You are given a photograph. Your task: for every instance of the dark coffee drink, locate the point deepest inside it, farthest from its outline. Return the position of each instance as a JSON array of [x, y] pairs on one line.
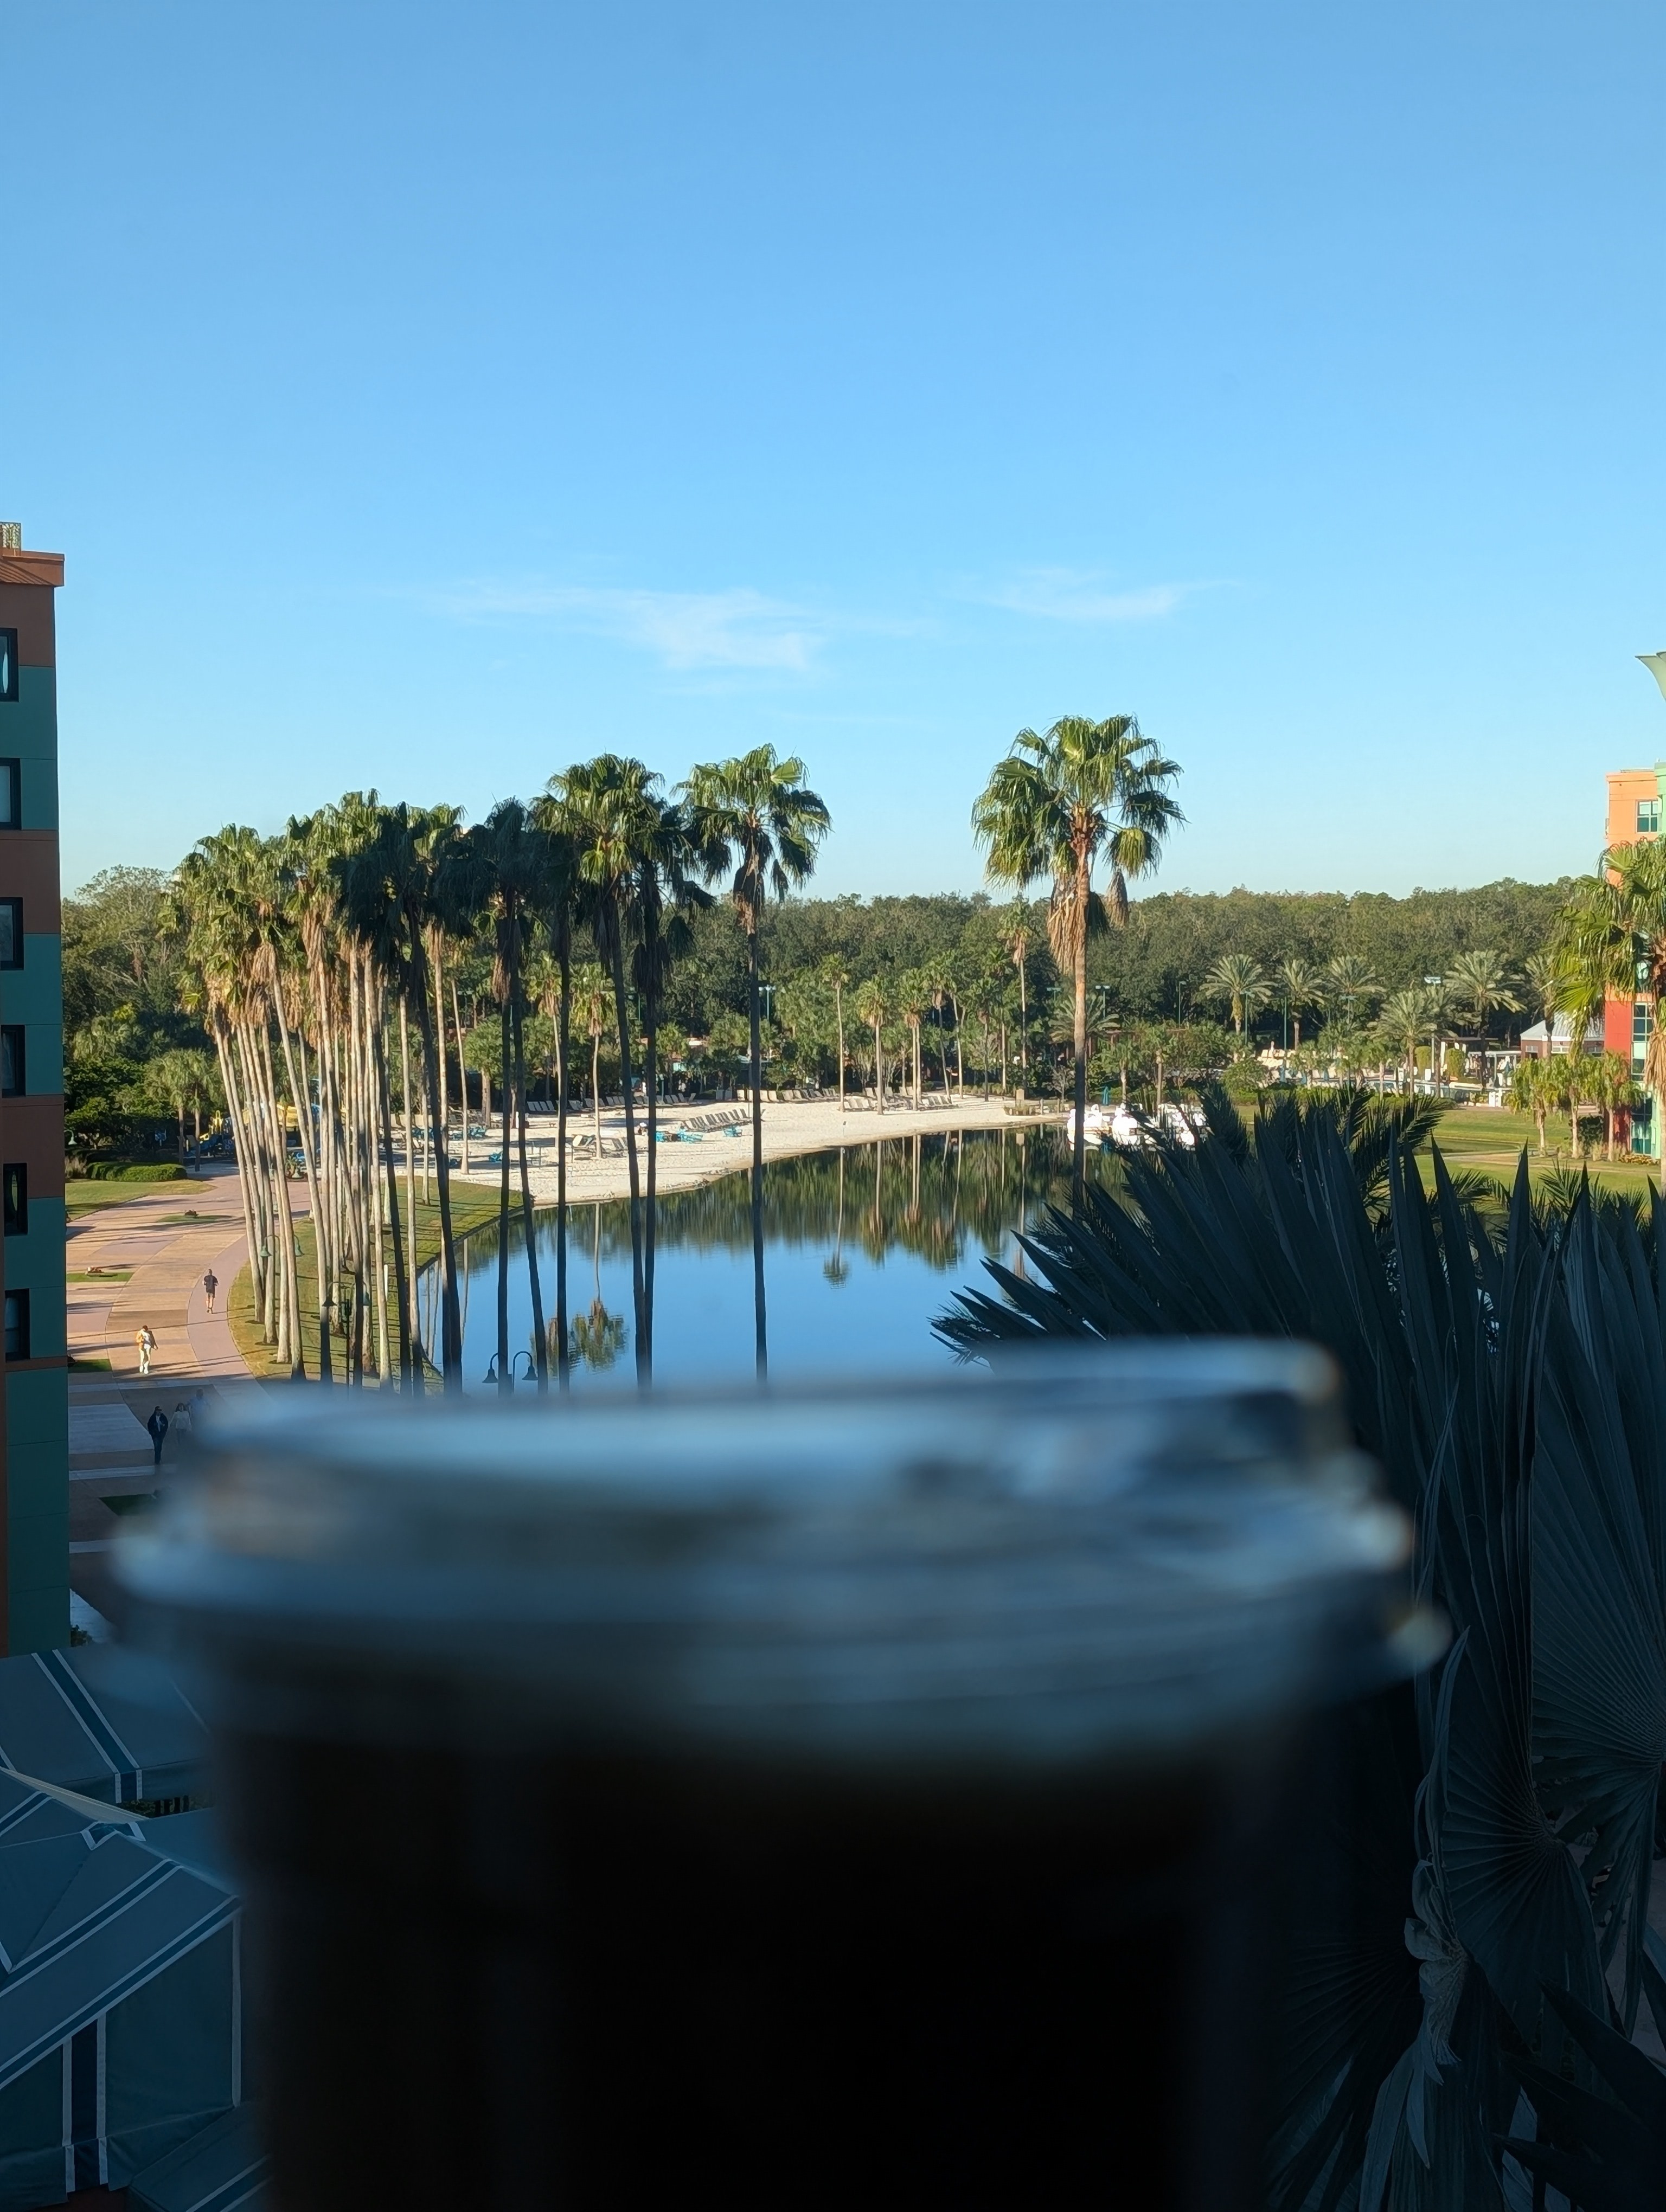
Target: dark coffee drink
[[798, 1801]]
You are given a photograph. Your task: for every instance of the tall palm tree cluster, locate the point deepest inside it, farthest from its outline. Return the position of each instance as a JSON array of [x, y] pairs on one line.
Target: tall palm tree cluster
[[319, 960], [1346, 988]]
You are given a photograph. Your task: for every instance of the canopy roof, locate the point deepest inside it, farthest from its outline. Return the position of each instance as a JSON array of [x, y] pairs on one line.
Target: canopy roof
[[223, 2169], [102, 1721], [85, 1920]]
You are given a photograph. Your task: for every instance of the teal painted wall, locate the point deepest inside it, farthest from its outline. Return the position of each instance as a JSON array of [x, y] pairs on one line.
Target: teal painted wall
[[35, 1263], [33, 993], [43, 1047], [38, 1529], [28, 734], [36, 1400]]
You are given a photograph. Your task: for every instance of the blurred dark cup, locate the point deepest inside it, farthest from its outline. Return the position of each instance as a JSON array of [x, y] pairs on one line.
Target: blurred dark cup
[[858, 1797]]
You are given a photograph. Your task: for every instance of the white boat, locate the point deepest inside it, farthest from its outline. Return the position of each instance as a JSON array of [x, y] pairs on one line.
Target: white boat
[[1110, 1125], [1120, 1126]]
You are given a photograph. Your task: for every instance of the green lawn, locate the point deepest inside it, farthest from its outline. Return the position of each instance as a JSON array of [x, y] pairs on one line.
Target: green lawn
[[81, 1196], [470, 1205], [1492, 1138]]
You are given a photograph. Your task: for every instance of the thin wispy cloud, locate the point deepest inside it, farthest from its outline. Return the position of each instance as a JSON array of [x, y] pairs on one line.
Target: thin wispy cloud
[[739, 629], [1072, 595]]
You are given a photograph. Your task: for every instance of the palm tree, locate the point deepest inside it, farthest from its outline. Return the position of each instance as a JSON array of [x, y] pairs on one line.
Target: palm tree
[[1237, 978], [1533, 1090], [835, 976], [592, 1006], [871, 1009], [406, 880], [667, 896], [1480, 983], [1051, 808], [610, 807], [1347, 982], [182, 1079], [1300, 985], [1613, 1088], [756, 816], [1018, 942], [912, 997], [512, 861], [1545, 987], [1405, 1019]]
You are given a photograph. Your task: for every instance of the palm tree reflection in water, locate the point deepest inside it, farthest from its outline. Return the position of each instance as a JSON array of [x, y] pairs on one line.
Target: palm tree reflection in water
[[934, 1202]]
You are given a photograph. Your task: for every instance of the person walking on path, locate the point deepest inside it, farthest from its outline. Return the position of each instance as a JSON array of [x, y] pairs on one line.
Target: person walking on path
[[210, 1284], [157, 1425], [147, 1344]]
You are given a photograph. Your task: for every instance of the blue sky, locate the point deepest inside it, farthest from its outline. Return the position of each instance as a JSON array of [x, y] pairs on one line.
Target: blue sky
[[425, 397]]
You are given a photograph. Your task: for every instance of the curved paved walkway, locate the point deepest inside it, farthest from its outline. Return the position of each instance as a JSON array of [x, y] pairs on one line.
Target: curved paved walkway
[[164, 1244]]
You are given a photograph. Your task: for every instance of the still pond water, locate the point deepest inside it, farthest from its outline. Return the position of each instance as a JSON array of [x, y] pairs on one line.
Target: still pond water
[[863, 1248]]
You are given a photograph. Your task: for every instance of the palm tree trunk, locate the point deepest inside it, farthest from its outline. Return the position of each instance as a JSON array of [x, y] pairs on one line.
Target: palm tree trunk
[[303, 1118], [462, 1072], [1078, 1037], [563, 1015], [408, 1300], [759, 1320], [401, 1280], [838, 1020], [377, 1136], [240, 1141], [451, 1319], [622, 1011], [505, 1378], [650, 1077], [540, 1346], [289, 1342]]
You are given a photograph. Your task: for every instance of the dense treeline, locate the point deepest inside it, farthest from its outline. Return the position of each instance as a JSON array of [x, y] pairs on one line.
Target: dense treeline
[[1159, 964], [123, 981]]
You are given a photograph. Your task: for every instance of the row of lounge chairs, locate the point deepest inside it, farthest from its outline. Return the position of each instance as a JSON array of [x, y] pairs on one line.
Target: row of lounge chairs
[[899, 1101]]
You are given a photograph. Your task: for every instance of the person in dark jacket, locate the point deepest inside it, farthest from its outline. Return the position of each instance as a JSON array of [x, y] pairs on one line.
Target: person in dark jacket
[[157, 1425]]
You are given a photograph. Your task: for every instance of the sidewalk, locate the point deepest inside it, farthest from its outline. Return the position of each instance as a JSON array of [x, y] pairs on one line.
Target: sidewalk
[[164, 1243]]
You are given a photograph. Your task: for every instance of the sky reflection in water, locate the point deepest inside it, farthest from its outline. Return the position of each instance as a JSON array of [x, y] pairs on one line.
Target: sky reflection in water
[[864, 1247]]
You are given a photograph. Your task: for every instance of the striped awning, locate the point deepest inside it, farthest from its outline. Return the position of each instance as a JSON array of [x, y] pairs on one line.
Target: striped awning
[[102, 1721], [86, 1920], [223, 2169]]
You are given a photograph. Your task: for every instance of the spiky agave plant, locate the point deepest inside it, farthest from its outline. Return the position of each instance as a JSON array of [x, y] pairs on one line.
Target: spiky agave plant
[[1511, 1378]]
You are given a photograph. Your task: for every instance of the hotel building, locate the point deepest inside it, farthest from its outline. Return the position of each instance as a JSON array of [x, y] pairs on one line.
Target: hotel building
[[35, 1509], [1636, 804]]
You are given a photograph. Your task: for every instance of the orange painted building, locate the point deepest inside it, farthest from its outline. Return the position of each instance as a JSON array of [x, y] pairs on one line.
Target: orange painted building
[[1637, 807]]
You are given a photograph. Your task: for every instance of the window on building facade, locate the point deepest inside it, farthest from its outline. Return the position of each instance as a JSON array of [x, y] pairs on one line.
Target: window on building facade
[[14, 1182], [11, 794], [17, 1324], [14, 1074], [1648, 817], [8, 666], [11, 932]]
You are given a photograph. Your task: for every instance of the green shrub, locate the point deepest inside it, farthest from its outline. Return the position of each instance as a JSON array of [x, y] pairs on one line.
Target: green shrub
[[1505, 1361], [144, 1171]]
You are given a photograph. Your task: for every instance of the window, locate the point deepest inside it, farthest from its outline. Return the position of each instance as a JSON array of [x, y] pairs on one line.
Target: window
[[11, 932], [8, 666], [1648, 817], [11, 794], [14, 1182], [17, 1324], [13, 1074]]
